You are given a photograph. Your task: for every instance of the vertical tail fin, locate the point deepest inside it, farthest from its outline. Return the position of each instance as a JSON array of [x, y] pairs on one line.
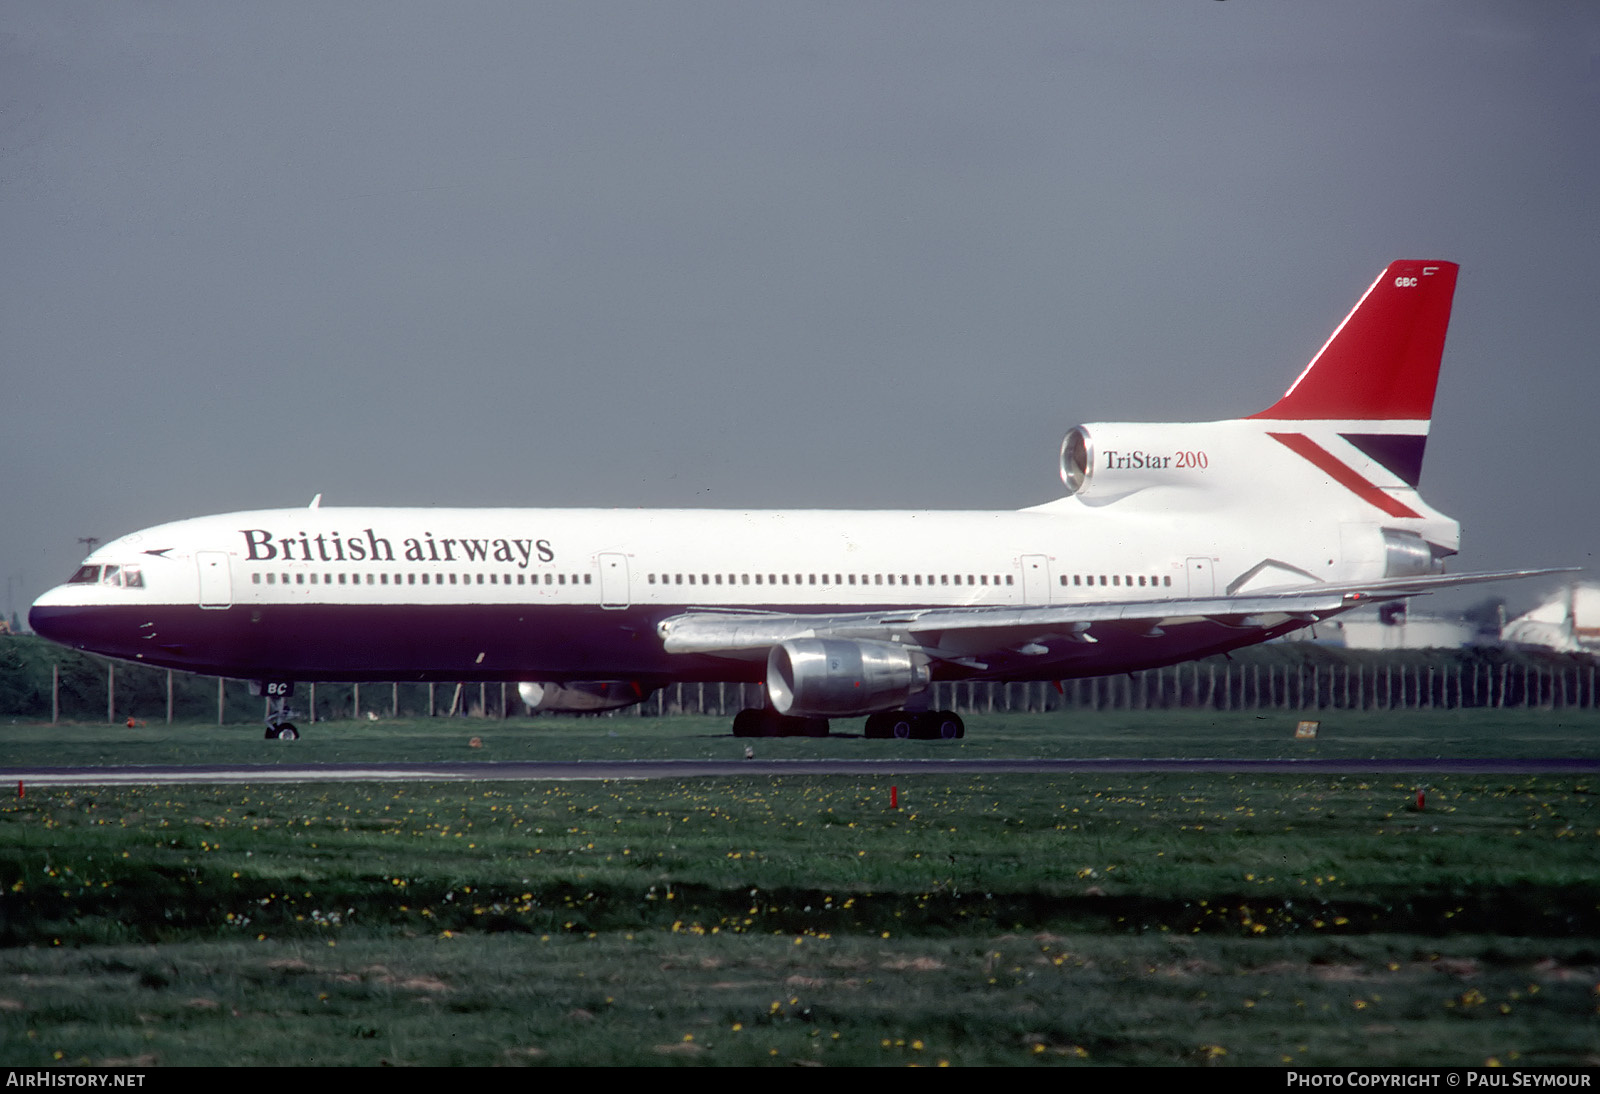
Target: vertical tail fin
[[1376, 377], [1382, 363], [1345, 441]]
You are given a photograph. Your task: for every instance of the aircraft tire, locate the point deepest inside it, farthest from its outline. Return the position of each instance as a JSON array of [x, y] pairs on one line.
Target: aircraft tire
[[287, 732], [877, 726], [902, 726], [769, 723], [748, 723], [796, 725], [949, 726]]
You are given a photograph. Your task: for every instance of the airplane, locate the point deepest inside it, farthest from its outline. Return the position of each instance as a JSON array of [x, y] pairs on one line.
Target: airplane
[[1171, 542]]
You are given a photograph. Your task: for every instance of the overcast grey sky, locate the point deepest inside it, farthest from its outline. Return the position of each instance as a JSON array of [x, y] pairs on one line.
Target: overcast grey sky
[[765, 254]]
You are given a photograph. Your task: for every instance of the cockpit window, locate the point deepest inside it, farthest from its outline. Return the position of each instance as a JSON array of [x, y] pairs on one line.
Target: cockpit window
[[126, 577]]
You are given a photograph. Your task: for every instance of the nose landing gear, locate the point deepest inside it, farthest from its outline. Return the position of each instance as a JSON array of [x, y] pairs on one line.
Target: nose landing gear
[[284, 732], [279, 726]]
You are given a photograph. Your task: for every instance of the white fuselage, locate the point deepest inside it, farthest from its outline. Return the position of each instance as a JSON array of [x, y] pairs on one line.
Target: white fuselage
[[523, 594]]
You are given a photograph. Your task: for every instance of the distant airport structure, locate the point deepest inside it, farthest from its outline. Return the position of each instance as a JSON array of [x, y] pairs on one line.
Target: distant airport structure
[[1405, 630]]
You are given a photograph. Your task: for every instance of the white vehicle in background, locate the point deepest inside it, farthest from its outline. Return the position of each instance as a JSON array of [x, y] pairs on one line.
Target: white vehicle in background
[[1568, 622]]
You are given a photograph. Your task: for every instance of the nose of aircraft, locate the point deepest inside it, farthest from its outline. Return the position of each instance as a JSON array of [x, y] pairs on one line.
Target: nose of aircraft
[[52, 616]]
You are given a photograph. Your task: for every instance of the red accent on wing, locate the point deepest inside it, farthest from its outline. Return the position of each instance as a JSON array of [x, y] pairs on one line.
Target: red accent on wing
[[1382, 363], [1342, 473]]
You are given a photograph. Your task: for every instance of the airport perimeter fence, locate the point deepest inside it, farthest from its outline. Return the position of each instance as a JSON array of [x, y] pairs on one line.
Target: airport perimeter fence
[[1223, 685], [39, 681]]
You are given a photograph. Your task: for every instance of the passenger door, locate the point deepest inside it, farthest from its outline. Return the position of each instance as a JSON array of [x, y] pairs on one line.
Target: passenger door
[[216, 579], [614, 591]]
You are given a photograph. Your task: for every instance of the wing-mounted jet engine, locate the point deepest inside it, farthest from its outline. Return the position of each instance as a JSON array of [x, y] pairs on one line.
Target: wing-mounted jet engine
[[581, 696]]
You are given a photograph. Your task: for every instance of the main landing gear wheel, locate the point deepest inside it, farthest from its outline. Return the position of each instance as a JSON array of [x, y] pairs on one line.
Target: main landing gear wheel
[[941, 725], [284, 732], [890, 723], [932, 725], [753, 722]]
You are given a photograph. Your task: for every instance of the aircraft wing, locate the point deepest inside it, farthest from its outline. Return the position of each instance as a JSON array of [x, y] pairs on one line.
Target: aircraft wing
[[963, 634]]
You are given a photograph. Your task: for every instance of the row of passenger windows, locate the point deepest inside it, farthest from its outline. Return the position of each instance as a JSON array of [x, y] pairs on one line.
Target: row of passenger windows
[[1117, 579], [412, 579], [822, 579], [132, 576]]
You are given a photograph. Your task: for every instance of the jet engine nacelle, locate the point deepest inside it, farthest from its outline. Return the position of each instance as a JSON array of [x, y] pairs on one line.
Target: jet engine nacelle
[[837, 677], [1110, 460], [1406, 554], [581, 696]]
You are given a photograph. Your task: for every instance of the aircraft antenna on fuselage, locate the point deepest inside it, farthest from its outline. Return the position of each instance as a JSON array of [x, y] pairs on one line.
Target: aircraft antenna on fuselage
[[316, 502]]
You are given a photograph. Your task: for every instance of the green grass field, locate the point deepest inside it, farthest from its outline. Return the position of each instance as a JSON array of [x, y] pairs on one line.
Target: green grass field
[[1175, 733], [1166, 919]]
